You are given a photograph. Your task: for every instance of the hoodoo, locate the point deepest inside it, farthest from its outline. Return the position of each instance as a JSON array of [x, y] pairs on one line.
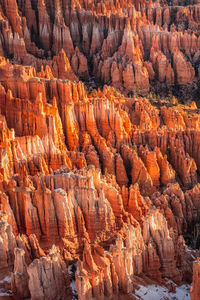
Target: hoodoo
[[99, 150]]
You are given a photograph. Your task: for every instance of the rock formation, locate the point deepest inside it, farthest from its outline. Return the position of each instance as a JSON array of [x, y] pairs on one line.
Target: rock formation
[[99, 178], [195, 288], [155, 42]]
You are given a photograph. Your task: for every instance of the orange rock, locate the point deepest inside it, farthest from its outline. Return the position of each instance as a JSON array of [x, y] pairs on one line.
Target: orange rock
[[195, 288], [110, 178], [121, 175], [7, 243], [165, 251], [184, 70], [49, 271], [19, 283], [62, 68], [136, 204]]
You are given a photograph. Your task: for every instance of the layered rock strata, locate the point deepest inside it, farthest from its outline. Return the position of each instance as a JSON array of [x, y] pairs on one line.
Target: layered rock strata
[[98, 187]]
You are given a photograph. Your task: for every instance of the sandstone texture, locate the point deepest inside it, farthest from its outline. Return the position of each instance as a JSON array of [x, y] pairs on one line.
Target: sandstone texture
[[99, 178]]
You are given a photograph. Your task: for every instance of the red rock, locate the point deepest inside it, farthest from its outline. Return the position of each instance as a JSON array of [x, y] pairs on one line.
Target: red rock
[[165, 250], [136, 204], [116, 75], [19, 283], [167, 174], [7, 243], [111, 179], [45, 27], [62, 68], [128, 78], [121, 175], [184, 70], [195, 288], [50, 271]]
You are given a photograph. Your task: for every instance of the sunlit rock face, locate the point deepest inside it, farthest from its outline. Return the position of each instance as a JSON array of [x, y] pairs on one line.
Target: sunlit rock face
[[99, 179], [129, 45]]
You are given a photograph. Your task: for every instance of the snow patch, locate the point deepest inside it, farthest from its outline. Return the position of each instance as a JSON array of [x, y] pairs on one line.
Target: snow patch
[[6, 279], [3, 294], [156, 292]]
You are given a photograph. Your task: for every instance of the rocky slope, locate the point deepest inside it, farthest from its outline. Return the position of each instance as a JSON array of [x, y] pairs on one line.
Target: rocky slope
[[98, 187]]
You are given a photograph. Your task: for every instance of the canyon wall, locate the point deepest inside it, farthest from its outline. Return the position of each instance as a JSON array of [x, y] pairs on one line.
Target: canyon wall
[[99, 182]]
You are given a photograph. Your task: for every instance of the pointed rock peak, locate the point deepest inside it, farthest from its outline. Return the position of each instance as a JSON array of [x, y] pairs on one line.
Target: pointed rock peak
[[9, 94], [54, 103]]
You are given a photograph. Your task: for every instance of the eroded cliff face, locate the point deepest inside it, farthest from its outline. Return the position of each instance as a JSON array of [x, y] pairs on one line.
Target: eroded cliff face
[[105, 180], [97, 189], [129, 45]]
